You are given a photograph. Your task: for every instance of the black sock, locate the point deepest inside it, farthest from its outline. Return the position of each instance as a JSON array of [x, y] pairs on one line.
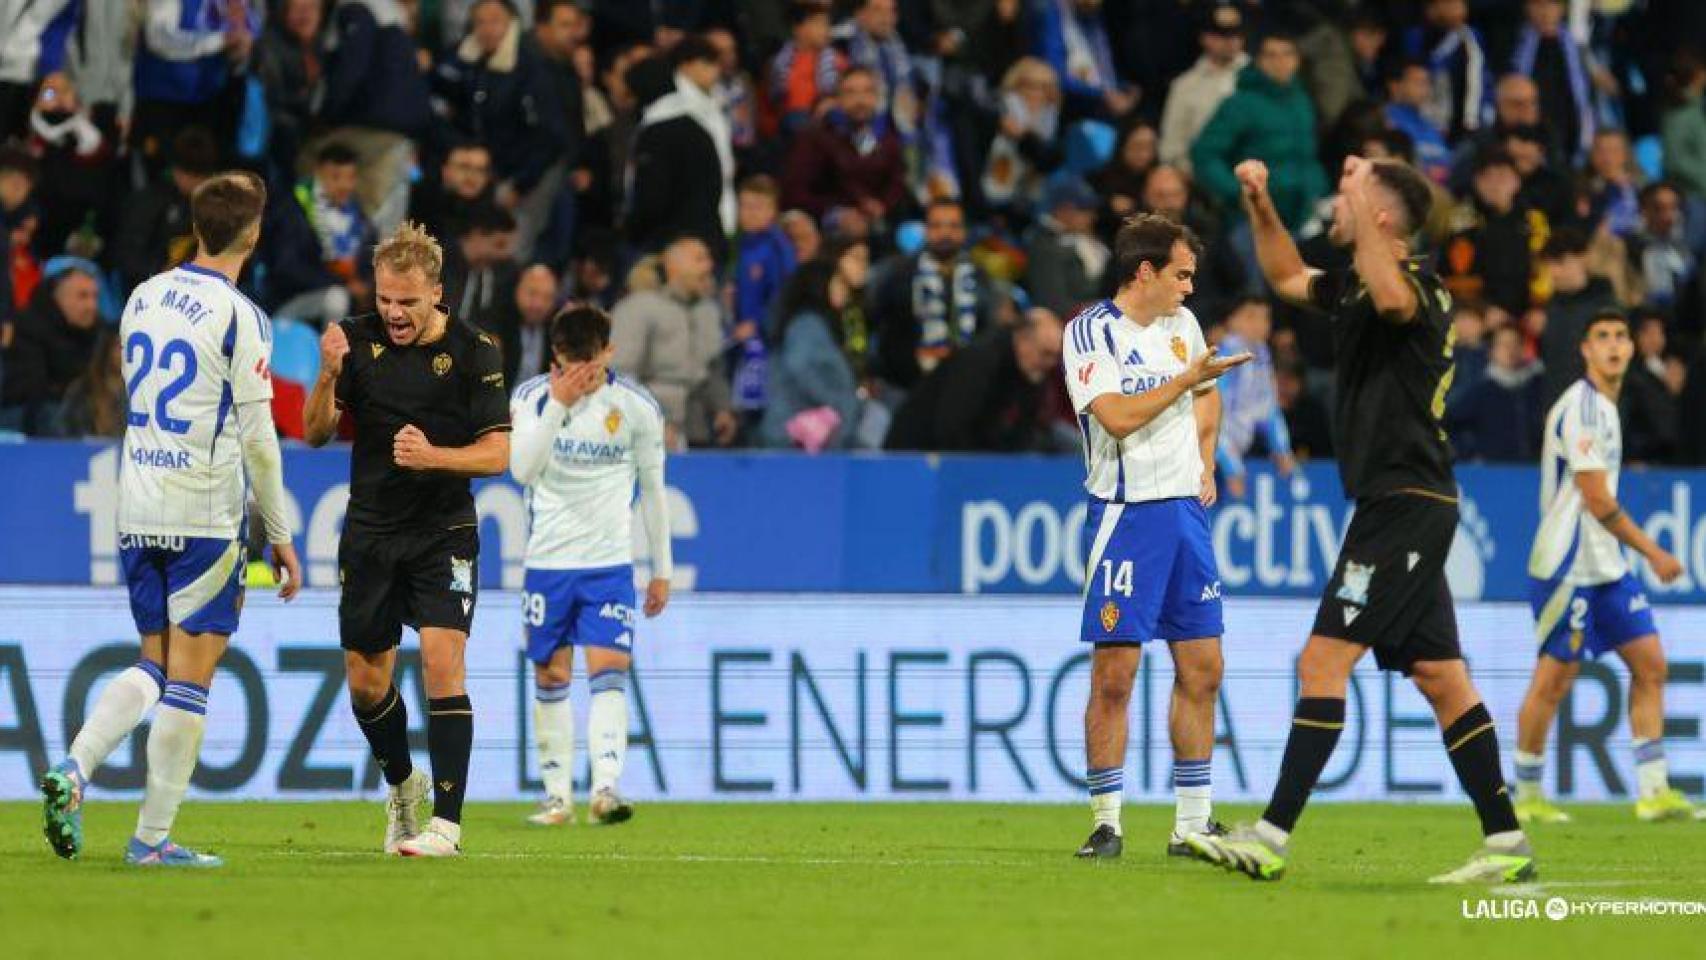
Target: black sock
[[1473, 746], [450, 739], [1315, 729], [386, 727]]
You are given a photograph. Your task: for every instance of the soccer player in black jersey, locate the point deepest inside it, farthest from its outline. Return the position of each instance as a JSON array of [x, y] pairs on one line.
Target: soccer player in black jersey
[[426, 392], [1393, 339]]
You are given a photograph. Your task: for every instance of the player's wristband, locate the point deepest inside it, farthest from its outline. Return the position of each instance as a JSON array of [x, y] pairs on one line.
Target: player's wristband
[[1610, 518]]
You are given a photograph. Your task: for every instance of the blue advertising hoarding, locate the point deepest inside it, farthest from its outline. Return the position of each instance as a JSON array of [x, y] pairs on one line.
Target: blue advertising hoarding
[[869, 524]]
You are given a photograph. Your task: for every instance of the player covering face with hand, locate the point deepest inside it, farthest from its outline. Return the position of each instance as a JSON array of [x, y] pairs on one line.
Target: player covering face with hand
[[1586, 600], [585, 438]]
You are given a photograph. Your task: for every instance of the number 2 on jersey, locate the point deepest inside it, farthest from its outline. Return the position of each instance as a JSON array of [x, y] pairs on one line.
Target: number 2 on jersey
[[140, 350], [1116, 579]]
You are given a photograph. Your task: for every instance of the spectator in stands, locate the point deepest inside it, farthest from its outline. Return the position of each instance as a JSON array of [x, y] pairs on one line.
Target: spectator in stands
[[871, 39], [346, 238], [849, 157], [1251, 422], [480, 269], [29, 27], [1576, 299], [1220, 274], [1660, 247], [1458, 71], [671, 340], [1562, 70], [501, 92], [987, 397], [1500, 418], [443, 204], [1614, 192], [763, 260], [1306, 416], [1684, 124], [1516, 103], [1199, 91], [523, 326], [154, 228], [1546, 189], [100, 58], [188, 53], [549, 210], [807, 68], [814, 393], [683, 159], [76, 163], [931, 304], [1487, 258], [1469, 352], [1648, 404], [294, 279], [289, 63], [734, 91], [1268, 118], [376, 100], [95, 403], [1409, 94], [1120, 182], [1071, 36], [803, 234], [1066, 259], [52, 346], [1026, 148]]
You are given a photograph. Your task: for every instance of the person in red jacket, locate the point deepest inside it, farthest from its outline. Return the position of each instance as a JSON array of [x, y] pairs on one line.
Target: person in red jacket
[[849, 158]]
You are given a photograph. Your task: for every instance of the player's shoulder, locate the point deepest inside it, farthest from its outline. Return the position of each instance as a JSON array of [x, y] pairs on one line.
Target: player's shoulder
[[364, 326], [635, 395], [531, 392], [1084, 328]]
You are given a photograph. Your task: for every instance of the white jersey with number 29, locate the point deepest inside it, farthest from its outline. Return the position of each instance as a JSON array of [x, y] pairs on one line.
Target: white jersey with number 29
[[194, 348]]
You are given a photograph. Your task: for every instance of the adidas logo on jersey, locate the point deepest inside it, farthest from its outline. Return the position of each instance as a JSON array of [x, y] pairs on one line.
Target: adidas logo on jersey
[[1639, 602], [1134, 358]]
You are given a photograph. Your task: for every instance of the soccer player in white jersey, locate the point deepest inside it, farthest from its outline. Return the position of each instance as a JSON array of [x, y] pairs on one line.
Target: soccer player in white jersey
[[1142, 383], [199, 436], [1586, 601], [584, 439]]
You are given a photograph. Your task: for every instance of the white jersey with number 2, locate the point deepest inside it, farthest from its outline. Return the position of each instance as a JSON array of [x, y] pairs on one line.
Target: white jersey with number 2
[[1582, 434]]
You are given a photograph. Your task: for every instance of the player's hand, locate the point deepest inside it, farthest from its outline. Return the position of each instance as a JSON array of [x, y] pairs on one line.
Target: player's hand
[[657, 597], [334, 346], [1210, 493], [1236, 486], [1358, 172], [1285, 463], [286, 570], [1665, 566], [1210, 365], [572, 383], [411, 449], [1252, 177]]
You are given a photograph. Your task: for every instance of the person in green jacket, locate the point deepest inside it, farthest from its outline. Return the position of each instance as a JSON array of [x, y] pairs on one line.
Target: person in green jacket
[[1270, 118], [1683, 128]]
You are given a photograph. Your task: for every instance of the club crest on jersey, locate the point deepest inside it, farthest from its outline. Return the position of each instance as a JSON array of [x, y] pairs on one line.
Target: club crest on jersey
[[1110, 616], [441, 364], [613, 422], [1179, 349], [461, 575], [1354, 587]]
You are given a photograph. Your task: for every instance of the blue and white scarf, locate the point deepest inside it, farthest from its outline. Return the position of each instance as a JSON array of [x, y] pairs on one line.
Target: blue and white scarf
[[1522, 61], [939, 329]]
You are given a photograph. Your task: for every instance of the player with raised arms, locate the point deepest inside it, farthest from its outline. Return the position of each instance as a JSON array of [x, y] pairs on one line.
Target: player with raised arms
[[585, 439], [198, 436]]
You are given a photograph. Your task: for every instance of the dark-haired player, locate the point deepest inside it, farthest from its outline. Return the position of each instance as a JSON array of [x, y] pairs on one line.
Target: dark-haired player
[[1586, 601], [1141, 381], [585, 438], [1393, 335]]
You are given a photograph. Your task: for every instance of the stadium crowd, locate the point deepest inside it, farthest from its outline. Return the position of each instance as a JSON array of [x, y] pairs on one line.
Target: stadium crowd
[[863, 224]]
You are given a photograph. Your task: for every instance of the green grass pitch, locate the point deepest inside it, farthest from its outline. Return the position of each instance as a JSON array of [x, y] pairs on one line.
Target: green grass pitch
[[816, 880]]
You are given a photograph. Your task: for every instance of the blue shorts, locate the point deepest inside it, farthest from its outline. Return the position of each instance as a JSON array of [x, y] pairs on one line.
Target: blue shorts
[[578, 608], [1151, 573], [1576, 622], [194, 582]]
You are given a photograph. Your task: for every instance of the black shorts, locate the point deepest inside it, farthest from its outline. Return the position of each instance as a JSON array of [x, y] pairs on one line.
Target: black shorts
[[1389, 589], [422, 578]]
